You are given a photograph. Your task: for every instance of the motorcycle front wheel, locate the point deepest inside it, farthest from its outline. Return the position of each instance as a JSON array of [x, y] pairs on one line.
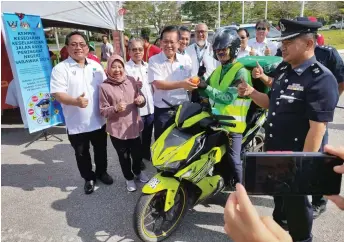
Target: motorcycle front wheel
[[151, 222]]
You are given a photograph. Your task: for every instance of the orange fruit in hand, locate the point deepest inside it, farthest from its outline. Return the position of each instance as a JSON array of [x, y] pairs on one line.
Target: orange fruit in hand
[[195, 80]]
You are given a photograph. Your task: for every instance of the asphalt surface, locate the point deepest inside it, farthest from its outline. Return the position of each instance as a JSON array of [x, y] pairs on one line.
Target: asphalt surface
[[43, 198]]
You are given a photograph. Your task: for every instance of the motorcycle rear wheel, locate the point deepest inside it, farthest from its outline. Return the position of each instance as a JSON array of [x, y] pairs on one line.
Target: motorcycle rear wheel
[[151, 222]]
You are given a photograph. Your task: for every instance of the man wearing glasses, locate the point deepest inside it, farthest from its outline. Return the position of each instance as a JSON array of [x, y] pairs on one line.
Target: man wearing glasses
[[201, 52], [138, 69], [260, 45], [244, 48], [170, 74], [74, 83]]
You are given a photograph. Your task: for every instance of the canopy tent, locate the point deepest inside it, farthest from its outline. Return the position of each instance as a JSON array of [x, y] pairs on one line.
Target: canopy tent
[[86, 15]]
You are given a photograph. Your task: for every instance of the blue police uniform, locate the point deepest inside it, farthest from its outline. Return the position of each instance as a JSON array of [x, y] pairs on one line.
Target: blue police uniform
[[307, 92], [329, 57]]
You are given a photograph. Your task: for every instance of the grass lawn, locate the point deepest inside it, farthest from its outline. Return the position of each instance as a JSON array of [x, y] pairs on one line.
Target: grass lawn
[[334, 38]]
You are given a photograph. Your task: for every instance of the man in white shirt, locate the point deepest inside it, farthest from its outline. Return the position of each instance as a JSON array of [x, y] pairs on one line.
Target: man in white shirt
[[260, 45], [138, 69], [244, 48], [107, 49], [185, 36], [201, 52], [12, 99], [75, 83], [170, 74]]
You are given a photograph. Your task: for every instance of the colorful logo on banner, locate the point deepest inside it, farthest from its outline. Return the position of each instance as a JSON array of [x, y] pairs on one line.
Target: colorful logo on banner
[[31, 66]]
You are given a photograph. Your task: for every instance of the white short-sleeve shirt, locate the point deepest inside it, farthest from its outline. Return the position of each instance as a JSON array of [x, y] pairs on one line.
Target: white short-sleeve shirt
[[260, 47], [68, 77], [161, 69], [141, 72], [243, 53]]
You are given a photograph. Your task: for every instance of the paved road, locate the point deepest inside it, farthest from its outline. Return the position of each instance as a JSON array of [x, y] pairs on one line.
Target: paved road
[[43, 198]]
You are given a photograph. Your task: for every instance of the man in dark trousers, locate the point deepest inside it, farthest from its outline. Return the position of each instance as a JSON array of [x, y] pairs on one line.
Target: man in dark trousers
[[301, 102], [329, 57]]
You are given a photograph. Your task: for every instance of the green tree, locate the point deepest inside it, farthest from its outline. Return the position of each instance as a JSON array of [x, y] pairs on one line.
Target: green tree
[[283, 9], [230, 13], [201, 12], [158, 14], [145, 31]]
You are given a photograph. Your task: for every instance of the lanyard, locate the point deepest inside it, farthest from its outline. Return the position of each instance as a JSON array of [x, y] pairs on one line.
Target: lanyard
[[200, 58]]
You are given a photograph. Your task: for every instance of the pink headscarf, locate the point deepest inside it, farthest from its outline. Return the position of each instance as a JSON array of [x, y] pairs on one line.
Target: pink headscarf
[[109, 64]]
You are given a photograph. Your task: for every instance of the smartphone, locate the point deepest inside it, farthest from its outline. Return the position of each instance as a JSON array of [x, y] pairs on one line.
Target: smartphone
[[291, 173]]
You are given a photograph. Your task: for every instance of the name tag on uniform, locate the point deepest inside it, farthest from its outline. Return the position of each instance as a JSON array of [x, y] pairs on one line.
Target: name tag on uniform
[[295, 87]]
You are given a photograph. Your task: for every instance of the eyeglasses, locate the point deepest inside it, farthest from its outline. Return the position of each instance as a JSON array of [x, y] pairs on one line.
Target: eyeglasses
[[137, 49], [261, 28], [75, 45], [242, 37]]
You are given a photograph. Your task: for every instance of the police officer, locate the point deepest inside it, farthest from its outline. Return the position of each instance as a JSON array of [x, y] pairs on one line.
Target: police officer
[[302, 100], [329, 57]]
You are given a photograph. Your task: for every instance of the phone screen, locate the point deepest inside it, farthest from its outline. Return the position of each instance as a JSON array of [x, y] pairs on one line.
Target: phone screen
[[295, 173]]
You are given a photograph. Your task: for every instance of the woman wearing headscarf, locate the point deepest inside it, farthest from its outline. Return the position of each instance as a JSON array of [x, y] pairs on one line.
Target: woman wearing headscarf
[[119, 101]]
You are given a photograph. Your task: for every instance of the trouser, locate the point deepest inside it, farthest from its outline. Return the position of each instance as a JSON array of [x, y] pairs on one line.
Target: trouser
[[146, 135], [321, 200], [162, 120], [231, 162], [81, 144], [298, 212], [129, 155], [234, 150]]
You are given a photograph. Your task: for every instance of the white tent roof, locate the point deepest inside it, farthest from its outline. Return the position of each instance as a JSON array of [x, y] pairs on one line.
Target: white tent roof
[[103, 15]]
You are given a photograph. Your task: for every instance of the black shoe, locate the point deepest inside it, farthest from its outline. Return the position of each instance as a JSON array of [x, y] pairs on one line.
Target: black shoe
[[318, 210], [89, 186], [105, 178], [142, 166]]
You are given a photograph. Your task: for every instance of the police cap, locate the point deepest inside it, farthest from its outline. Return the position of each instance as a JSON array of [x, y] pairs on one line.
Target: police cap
[[43, 102], [291, 28]]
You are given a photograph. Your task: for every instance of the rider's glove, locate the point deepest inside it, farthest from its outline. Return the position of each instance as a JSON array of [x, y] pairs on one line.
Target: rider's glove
[[201, 70], [202, 84]]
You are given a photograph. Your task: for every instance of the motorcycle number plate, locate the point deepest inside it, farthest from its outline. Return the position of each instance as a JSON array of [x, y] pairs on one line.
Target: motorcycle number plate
[[153, 182]]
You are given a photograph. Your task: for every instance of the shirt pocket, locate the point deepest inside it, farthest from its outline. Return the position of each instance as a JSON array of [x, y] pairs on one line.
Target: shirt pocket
[[290, 106]]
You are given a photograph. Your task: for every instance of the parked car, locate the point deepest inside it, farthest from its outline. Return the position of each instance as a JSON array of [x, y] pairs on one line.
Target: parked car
[[337, 25], [251, 28]]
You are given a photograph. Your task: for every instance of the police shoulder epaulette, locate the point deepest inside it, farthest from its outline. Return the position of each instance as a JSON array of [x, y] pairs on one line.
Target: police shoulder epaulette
[[316, 70], [283, 67], [326, 47]]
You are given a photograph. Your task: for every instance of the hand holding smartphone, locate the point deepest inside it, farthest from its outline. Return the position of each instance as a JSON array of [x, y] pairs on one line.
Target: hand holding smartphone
[[291, 173]]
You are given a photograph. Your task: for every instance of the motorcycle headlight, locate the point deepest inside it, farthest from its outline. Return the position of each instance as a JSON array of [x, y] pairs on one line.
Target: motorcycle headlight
[[169, 166]]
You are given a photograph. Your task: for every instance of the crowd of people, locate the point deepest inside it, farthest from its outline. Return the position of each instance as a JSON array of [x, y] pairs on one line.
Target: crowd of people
[[126, 102]]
